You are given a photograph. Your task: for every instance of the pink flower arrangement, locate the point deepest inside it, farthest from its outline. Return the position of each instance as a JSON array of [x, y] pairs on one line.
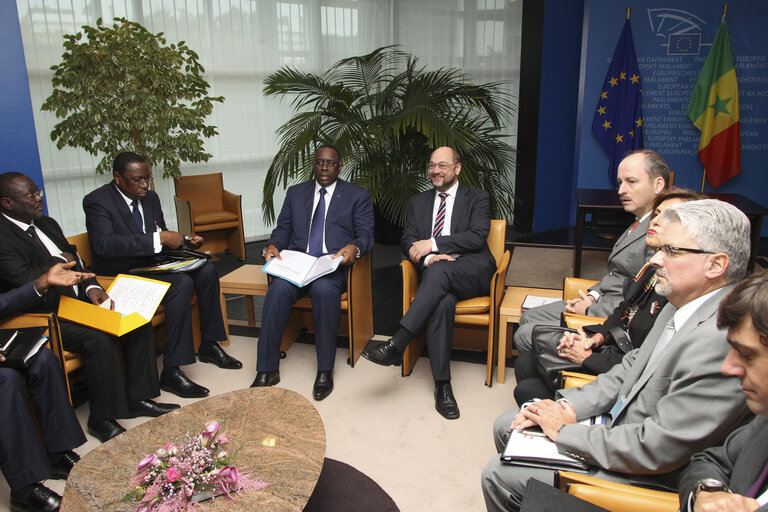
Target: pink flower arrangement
[[178, 475]]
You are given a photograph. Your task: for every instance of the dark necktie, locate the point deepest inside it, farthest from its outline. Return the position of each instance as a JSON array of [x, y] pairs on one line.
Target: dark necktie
[[759, 485], [316, 229], [137, 215], [440, 217], [32, 232]]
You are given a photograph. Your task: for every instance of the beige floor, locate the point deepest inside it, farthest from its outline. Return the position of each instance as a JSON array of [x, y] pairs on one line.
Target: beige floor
[[380, 423]]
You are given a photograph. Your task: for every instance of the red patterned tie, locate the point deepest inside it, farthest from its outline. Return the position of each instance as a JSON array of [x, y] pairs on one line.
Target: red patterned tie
[[440, 217]]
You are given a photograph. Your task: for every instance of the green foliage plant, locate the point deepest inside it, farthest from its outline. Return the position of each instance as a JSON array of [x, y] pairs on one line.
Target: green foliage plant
[[386, 114], [121, 88]]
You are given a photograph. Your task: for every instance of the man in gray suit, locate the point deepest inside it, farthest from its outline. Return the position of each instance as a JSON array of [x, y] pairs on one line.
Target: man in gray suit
[[734, 476], [666, 400], [446, 235], [642, 176]]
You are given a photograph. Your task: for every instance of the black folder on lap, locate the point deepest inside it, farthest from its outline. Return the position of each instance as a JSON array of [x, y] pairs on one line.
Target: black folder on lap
[[21, 346]]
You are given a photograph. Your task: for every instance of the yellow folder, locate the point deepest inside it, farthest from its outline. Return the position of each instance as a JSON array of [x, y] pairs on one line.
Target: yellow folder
[[112, 322]]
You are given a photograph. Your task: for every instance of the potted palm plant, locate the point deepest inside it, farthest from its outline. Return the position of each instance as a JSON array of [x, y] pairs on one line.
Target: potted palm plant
[[386, 113]]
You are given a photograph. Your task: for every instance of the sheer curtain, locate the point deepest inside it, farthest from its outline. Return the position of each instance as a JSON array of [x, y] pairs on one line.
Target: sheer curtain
[[239, 43]]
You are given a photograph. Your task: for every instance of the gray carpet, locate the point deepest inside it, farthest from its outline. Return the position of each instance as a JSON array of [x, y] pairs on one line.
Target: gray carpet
[[546, 267]]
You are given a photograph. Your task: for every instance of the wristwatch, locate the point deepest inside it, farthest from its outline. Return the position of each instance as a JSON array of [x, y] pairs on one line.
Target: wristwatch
[[709, 485], [264, 252]]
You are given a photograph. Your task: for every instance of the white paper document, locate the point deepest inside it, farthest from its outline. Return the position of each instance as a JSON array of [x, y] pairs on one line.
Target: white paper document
[[132, 294], [532, 301], [300, 268], [535, 449]]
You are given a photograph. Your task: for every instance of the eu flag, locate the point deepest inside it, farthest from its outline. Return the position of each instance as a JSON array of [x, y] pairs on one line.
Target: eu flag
[[618, 122]]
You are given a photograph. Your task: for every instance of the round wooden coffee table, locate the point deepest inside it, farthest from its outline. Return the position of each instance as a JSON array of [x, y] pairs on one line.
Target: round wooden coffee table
[[277, 434]]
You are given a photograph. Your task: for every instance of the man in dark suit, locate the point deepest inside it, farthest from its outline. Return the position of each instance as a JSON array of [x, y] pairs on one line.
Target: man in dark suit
[[734, 476], [126, 229], [445, 235], [24, 461], [32, 243], [667, 399], [642, 176], [325, 215]]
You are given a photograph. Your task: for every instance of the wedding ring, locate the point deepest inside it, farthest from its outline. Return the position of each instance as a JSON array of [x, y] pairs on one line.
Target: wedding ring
[[536, 410]]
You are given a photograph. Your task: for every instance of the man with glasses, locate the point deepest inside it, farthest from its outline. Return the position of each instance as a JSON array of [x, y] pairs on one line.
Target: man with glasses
[[325, 215], [32, 243], [445, 235], [127, 229], [667, 399]]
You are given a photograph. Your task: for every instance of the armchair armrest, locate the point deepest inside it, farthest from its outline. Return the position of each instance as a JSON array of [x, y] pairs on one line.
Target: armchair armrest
[[410, 283], [575, 321], [570, 379], [183, 215], [232, 202], [572, 285], [616, 496]]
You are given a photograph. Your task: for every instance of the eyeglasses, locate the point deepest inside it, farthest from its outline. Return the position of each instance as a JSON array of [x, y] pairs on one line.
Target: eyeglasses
[[671, 250], [443, 166], [138, 181], [31, 195], [331, 164]]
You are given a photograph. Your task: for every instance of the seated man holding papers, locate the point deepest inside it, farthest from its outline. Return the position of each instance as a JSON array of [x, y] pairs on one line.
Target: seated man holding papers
[[32, 243], [666, 400], [127, 229], [323, 216]]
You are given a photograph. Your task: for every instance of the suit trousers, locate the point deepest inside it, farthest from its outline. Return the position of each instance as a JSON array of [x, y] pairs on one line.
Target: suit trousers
[[22, 456], [548, 314], [434, 307], [108, 396], [504, 484], [325, 293], [179, 345]]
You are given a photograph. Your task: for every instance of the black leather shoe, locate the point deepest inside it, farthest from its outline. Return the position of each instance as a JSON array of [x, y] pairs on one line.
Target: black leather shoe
[[213, 353], [385, 354], [62, 463], [41, 499], [103, 430], [174, 381], [264, 379], [150, 408], [445, 403], [323, 385]]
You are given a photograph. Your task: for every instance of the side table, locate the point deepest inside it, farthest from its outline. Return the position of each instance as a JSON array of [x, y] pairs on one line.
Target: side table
[[510, 312], [247, 280]]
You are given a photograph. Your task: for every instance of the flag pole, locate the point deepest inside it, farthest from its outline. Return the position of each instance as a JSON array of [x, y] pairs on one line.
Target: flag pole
[[629, 9], [725, 10], [703, 179]]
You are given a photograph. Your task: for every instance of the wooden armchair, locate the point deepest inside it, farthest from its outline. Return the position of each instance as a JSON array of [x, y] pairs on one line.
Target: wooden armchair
[[356, 312], [205, 208], [615, 496], [69, 361], [83, 245], [477, 319]]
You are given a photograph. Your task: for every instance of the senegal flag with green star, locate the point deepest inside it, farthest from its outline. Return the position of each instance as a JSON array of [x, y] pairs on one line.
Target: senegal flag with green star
[[714, 109]]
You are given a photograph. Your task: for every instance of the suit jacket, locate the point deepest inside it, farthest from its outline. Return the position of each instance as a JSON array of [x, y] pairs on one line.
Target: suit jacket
[[22, 260], [628, 255], [737, 462], [116, 241], [18, 299], [349, 219], [681, 406], [470, 224]]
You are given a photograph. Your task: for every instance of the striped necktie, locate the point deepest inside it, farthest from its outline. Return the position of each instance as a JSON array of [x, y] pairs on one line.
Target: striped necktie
[[440, 217]]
